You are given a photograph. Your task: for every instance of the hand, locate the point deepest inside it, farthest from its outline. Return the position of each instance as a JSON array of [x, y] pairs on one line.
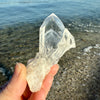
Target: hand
[[18, 89]]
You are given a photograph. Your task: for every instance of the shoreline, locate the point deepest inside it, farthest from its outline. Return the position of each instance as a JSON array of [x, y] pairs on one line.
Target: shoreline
[[78, 76]]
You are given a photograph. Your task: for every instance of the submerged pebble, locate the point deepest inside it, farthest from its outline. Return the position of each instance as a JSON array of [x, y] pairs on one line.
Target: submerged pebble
[[2, 71]]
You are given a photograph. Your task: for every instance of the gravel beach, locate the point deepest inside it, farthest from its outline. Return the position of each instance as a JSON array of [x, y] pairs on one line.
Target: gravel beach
[[79, 74]]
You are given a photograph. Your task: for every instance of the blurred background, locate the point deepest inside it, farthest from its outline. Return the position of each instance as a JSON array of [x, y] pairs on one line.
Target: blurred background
[[78, 77]]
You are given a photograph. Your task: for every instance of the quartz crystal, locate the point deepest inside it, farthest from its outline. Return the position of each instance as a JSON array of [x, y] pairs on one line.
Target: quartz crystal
[[54, 41]]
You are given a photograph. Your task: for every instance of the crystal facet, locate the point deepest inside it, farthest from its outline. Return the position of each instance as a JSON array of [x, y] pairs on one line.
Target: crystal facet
[[54, 41]]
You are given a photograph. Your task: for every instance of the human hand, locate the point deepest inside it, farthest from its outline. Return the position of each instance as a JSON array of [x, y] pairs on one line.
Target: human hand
[[17, 89]]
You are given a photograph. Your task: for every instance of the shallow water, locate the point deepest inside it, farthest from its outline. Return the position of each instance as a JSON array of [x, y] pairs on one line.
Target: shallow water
[[19, 38], [77, 13]]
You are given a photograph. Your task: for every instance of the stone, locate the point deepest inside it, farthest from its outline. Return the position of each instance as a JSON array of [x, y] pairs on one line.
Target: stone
[[54, 41]]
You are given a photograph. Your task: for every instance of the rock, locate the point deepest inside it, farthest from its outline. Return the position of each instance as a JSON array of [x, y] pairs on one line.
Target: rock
[[54, 41]]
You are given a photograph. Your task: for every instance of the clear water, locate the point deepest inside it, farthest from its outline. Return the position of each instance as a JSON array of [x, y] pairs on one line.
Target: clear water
[[18, 44], [80, 14]]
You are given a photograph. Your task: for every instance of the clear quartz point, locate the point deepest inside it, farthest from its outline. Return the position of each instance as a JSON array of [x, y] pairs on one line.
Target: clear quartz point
[[54, 41]]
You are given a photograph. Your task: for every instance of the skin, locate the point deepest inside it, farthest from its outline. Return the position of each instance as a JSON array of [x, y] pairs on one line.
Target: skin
[[17, 89]]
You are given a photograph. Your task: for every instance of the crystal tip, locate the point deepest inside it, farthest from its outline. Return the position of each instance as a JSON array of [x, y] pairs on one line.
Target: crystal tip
[[52, 15]]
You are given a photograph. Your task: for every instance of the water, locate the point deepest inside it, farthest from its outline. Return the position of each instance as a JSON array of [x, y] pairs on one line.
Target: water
[[79, 13], [20, 21]]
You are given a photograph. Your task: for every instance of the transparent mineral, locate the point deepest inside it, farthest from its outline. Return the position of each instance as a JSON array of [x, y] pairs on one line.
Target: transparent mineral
[[54, 41]]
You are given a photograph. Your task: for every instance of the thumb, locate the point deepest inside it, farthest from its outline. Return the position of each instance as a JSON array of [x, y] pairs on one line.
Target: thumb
[[17, 84]]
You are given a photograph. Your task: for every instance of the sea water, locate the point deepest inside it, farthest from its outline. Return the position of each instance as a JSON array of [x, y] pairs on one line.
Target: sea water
[[20, 21], [80, 14]]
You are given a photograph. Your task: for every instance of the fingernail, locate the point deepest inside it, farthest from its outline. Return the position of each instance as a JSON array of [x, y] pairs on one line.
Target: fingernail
[[17, 69]]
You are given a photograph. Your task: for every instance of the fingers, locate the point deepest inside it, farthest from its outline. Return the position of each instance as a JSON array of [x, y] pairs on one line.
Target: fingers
[[27, 93], [54, 69], [17, 84], [47, 83], [49, 79]]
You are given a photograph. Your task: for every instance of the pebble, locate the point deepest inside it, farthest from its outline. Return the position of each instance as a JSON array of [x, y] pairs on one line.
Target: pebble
[[86, 66], [2, 70], [87, 49], [78, 57]]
